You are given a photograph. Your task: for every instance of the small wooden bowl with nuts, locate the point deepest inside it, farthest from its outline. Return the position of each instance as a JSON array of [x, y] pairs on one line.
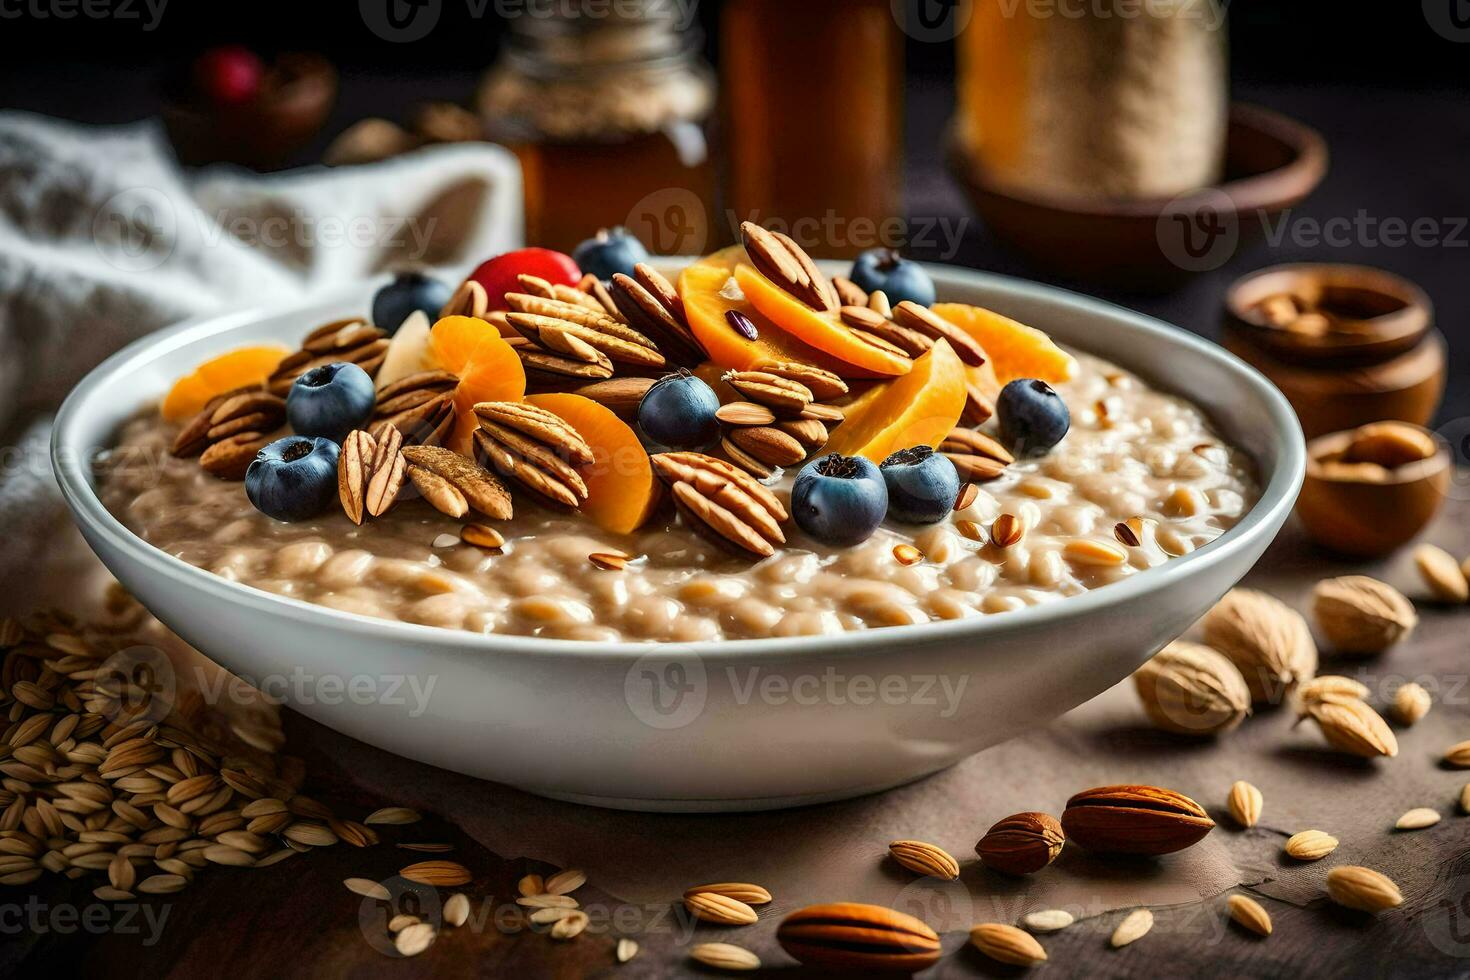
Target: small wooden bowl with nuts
[[1346, 344], [1371, 489]]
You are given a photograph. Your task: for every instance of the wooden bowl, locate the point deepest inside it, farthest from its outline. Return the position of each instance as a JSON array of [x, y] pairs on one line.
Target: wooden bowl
[[1272, 163], [1378, 512], [1384, 361], [1382, 314]]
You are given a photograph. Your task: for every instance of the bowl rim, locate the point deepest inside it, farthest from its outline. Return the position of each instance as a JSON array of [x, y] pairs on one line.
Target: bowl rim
[[71, 464]]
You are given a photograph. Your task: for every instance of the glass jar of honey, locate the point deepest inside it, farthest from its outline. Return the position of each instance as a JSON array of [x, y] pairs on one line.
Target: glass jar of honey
[[813, 118], [607, 109]]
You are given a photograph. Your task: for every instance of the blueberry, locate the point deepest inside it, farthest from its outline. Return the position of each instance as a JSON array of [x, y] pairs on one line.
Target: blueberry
[[679, 412], [1033, 418], [611, 250], [922, 485], [839, 500], [408, 292], [293, 478], [330, 400], [900, 279]]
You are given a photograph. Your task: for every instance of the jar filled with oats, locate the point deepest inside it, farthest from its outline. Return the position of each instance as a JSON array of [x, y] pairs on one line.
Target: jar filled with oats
[[1114, 99], [607, 107]]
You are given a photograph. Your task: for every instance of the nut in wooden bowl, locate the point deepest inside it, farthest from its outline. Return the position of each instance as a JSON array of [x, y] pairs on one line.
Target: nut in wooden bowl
[[1372, 489]]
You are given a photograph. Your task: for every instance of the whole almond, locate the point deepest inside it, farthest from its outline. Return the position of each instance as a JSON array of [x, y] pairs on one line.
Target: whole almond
[[1249, 914], [720, 909], [1443, 575], [1410, 703], [1361, 615], [925, 859], [738, 890], [1417, 819], [1268, 640], [1352, 726], [1190, 689], [1007, 944], [1458, 755], [1310, 845], [1022, 843], [724, 956], [1135, 926], [1245, 802], [1363, 889], [1134, 819], [1048, 920], [437, 873], [850, 936], [1329, 686]]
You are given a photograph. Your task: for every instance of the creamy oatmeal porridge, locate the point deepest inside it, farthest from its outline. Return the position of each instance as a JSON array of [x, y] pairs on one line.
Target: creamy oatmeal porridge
[[1132, 453]]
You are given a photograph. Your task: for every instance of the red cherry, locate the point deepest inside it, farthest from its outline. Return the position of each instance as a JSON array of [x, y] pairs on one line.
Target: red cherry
[[229, 75], [498, 275]]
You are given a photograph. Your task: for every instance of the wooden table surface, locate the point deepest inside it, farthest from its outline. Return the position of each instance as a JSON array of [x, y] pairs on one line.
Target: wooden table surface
[[295, 919]]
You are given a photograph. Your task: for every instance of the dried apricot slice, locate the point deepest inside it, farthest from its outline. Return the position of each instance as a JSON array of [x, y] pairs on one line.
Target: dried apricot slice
[[1015, 350], [621, 490], [236, 369], [488, 369], [824, 331], [703, 288], [918, 409]]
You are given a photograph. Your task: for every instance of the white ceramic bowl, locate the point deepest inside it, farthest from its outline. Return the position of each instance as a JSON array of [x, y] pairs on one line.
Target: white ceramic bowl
[[739, 724]]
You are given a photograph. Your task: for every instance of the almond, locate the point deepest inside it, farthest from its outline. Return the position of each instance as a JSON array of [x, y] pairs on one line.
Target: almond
[[1266, 639], [925, 859], [1351, 726], [1458, 755], [739, 890], [1410, 703], [1134, 819], [719, 909], [1363, 889], [724, 956], [1310, 845], [1007, 944], [849, 936], [437, 873], [1248, 913], [1362, 615], [1135, 926], [1022, 843], [1417, 819], [1190, 689], [1442, 574], [1245, 802], [1048, 920]]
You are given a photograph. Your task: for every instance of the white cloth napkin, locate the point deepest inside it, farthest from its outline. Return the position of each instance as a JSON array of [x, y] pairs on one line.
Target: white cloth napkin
[[103, 239]]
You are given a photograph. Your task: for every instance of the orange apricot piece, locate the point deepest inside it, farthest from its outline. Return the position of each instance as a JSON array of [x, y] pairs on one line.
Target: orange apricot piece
[[1014, 349], [918, 409], [621, 490], [702, 287], [824, 331], [235, 369]]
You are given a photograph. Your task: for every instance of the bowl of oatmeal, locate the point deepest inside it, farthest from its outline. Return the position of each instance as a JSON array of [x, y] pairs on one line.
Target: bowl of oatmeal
[[711, 651]]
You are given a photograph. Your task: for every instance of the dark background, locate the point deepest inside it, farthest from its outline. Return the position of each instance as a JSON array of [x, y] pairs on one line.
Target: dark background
[[1391, 95]]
